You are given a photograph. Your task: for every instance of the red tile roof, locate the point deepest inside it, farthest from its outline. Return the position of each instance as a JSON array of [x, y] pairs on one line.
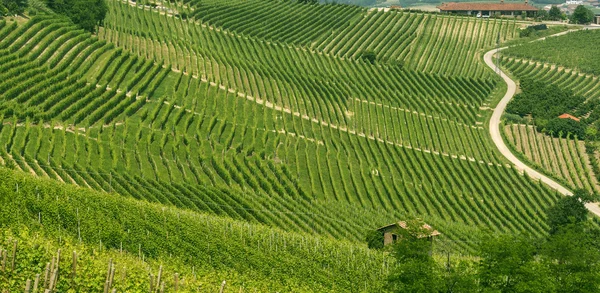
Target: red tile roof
[[568, 116], [465, 6]]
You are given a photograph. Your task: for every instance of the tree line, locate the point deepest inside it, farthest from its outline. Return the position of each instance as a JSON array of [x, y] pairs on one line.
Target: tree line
[[87, 14], [567, 260], [543, 103]]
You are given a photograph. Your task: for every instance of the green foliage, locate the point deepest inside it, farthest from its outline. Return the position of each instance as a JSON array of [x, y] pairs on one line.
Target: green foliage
[[88, 14], [567, 260], [541, 100], [564, 128], [416, 270], [265, 258], [310, 2], [508, 264], [368, 56], [12, 7], [573, 258], [568, 210], [532, 30], [374, 239], [3, 10], [582, 15], [555, 14]]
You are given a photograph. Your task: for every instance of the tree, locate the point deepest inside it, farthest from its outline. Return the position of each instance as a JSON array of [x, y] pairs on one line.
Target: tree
[[508, 264], [88, 14], [573, 258], [3, 10], [12, 6], [568, 210], [555, 13], [566, 127], [582, 15], [542, 14], [416, 270], [368, 56], [374, 239]]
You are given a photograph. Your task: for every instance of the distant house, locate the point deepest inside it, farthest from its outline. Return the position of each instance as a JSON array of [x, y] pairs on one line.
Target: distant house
[[391, 232], [488, 9], [597, 19], [568, 116]]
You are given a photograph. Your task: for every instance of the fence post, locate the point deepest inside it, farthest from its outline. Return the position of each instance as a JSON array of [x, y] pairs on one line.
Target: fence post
[[222, 287], [74, 268], [176, 282], [14, 256], [36, 283], [2, 259], [47, 273], [28, 286]]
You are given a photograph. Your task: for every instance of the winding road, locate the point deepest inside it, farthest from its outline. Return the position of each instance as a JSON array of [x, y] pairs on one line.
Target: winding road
[[499, 142]]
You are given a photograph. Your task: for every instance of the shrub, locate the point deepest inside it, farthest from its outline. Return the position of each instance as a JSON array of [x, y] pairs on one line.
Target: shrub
[[374, 239]]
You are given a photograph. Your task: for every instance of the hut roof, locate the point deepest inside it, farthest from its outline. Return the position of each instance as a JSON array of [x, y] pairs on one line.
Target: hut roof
[[403, 225], [568, 116]]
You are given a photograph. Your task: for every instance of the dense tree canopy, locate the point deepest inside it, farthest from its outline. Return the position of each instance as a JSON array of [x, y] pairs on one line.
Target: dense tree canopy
[[542, 100], [558, 127], [11, 7], [582, 15], [86, 13], [555, 13]]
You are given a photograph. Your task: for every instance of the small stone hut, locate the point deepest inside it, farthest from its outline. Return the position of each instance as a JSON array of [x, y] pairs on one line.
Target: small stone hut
[[391, 232]]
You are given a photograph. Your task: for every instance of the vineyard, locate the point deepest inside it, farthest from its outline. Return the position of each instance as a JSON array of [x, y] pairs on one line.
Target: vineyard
[[563, 158], [567, 159], [129, 243], [576, 50], [200, 108]]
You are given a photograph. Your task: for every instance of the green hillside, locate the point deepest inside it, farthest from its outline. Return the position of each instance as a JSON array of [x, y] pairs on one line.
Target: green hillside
[[44, 214], [260, 130], [576, 50], [567, 62], [235, 112]]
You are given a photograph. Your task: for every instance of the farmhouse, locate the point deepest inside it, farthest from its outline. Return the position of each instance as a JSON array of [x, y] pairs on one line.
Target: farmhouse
[[568, 116], [391, 232], [488, 9]]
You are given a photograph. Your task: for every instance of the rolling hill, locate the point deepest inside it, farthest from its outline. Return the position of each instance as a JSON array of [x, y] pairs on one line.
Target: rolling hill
[[236, 112]]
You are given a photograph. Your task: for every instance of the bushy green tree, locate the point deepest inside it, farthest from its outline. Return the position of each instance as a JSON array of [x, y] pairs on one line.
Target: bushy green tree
[[3, 10], [416, 270], [374, 239], [565, 128], [568, 210], [555, 13], [508, 264], [12, 7], [582, 15], [88, 14], [572, 251], [541, 100], [572, 256]]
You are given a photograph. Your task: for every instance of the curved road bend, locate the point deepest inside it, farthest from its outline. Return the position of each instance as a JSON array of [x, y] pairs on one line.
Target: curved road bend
[[497, 138]]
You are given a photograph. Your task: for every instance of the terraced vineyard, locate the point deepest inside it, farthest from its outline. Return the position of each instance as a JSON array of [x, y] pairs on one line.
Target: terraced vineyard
[[570, 67], [132, 243], [576, 50], [579, 82], [563, 158], [280, 127]]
